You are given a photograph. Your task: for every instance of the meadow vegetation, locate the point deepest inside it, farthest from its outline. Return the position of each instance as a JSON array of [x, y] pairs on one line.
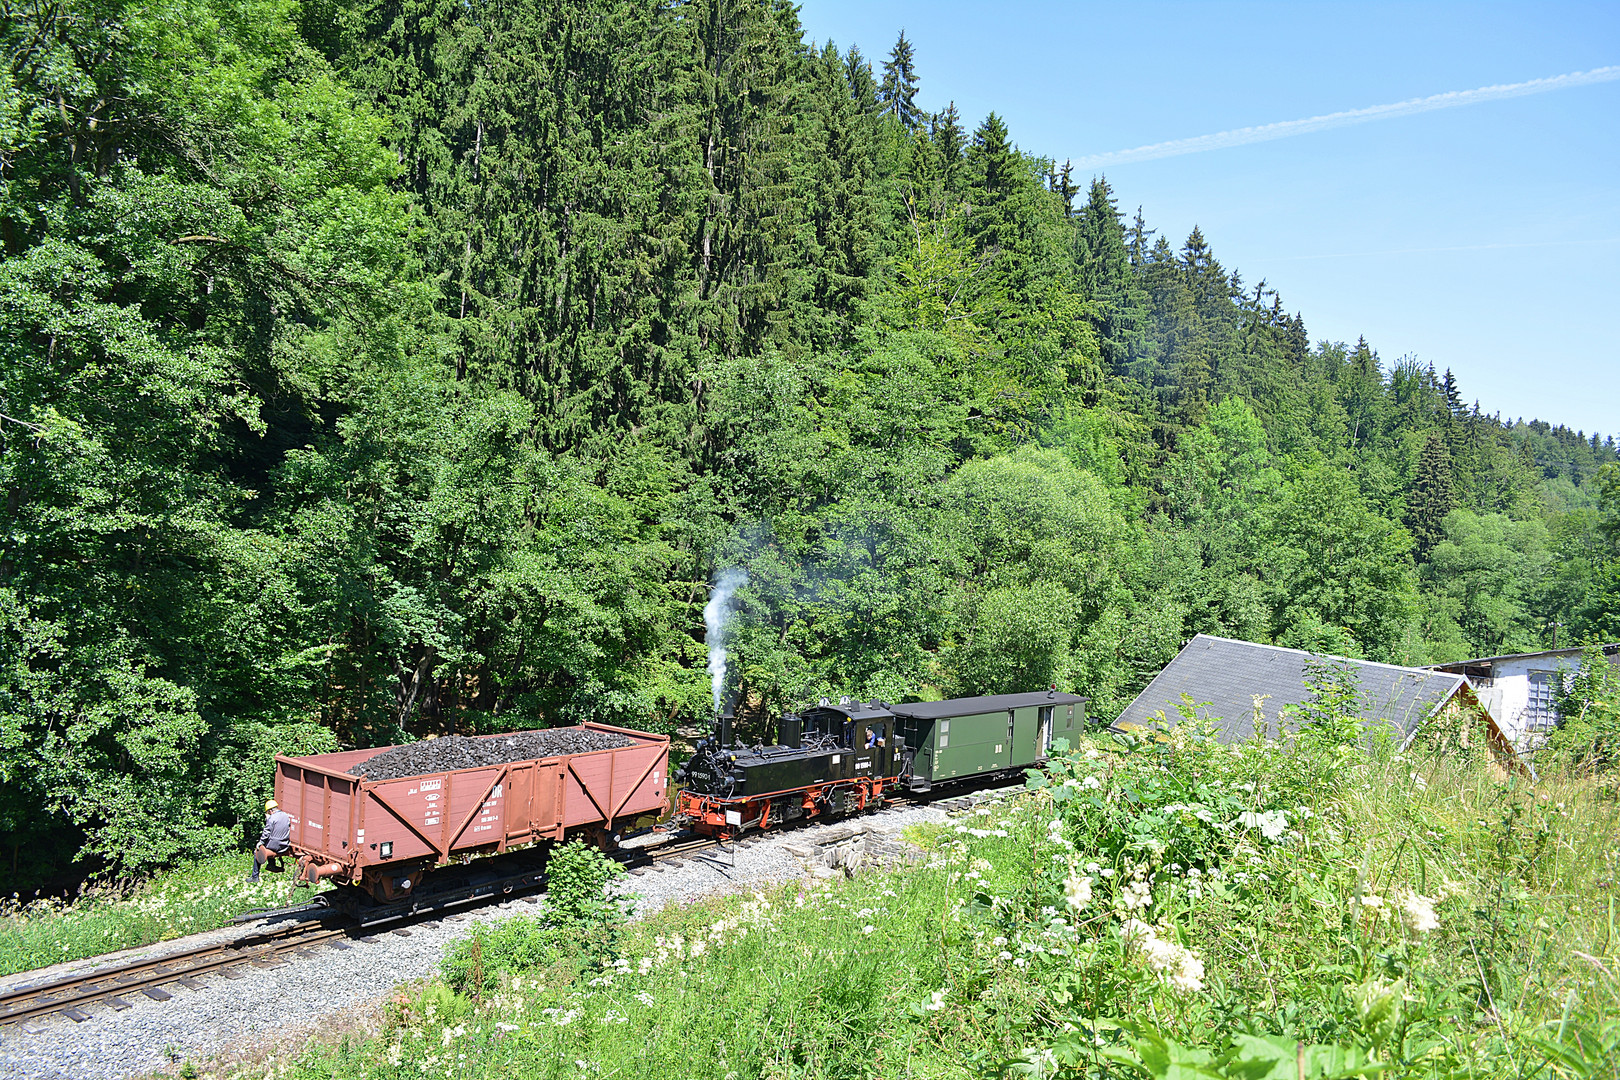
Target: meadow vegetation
[[1145, 908], [189, 899]]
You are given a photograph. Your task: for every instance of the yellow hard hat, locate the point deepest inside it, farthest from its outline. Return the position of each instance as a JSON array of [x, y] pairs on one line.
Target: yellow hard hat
[[270, 804]]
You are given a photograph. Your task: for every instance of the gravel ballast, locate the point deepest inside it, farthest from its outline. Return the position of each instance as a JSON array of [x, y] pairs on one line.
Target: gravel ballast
[[278, 1007], [467, 752]]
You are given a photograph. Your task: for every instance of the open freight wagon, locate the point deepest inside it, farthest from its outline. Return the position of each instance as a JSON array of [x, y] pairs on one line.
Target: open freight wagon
[[384, 835]]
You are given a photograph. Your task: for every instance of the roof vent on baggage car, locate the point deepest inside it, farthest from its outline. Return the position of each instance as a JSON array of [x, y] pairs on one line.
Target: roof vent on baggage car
[[844, 700], [824, 702]]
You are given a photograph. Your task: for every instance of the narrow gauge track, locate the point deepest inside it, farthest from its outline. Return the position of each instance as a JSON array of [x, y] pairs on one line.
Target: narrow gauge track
[[265, 948], [107, 985]]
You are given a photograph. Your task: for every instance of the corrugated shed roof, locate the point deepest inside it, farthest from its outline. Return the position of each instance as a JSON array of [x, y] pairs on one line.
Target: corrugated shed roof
[[1612, 650], [1229, 674], [937, 710]]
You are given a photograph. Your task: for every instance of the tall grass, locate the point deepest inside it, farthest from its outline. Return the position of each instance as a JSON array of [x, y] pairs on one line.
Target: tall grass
[[190, 899], [1159, 909]]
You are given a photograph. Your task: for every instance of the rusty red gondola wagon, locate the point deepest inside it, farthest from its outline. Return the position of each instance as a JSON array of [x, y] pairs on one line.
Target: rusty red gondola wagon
[[384, 835]]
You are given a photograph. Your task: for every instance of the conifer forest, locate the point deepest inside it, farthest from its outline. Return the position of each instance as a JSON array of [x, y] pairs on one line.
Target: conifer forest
[[412, 367]]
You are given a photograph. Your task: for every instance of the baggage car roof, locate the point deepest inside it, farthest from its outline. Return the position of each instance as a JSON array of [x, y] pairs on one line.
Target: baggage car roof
[[940, 710]]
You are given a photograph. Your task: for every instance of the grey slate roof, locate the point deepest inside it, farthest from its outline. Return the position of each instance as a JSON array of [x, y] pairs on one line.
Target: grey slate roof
[[1228, 674], [937, 710]]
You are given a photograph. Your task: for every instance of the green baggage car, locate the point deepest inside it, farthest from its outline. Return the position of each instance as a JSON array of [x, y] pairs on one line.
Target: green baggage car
[[974, 738]]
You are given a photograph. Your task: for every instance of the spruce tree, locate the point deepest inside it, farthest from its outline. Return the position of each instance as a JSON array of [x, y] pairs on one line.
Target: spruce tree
[[946, 133], [1136, 241], [897, 96], [1432, 496], [992, 157], [1106, 277], [1063, 184], [862, 85]]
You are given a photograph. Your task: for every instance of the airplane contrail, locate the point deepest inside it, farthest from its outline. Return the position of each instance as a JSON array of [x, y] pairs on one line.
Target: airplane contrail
[[1283, 129], [1443, 250]]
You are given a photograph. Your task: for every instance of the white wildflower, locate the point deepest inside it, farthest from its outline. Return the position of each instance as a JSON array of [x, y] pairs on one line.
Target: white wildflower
[[1136, 895], [1418, 912], [1272, 824], [936, 1001], [1180, 968], [1077, 891]]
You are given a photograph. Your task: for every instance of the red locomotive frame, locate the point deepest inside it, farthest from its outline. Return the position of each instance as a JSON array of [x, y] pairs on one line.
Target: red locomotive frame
[[726, 818]]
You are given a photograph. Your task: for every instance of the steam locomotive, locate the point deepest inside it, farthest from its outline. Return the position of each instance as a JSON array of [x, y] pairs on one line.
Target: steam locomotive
[[847, 756]]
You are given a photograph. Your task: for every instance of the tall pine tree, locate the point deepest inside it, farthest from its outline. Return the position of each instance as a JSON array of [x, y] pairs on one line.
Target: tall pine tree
[[1432, 497], [897, 95]]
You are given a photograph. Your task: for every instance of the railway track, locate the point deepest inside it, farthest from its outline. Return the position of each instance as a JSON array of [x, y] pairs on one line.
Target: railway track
[[108, 986]]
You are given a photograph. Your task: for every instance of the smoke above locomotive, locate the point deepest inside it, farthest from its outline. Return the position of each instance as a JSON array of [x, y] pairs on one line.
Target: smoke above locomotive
[[716, 614]]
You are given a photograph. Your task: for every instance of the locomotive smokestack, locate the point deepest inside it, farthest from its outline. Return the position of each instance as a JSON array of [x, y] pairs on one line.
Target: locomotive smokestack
[[726, 719]]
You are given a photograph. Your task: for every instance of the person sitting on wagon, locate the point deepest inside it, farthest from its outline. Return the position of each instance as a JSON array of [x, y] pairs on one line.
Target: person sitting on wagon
[[276, 839]]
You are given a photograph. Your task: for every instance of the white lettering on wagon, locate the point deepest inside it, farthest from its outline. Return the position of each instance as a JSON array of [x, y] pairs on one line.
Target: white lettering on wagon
[[431, 821], [312, 824]]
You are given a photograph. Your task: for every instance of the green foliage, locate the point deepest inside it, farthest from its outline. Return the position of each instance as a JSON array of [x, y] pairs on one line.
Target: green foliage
[[474, 965], [1334, 563], [579, 923], [577, 877], [1587, 738], [373, 372]]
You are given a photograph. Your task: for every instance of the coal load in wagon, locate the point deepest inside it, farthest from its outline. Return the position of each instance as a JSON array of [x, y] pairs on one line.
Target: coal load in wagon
[[462, 752]]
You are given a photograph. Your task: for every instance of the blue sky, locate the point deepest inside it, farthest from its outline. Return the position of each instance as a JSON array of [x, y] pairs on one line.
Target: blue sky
[[1483, 238]]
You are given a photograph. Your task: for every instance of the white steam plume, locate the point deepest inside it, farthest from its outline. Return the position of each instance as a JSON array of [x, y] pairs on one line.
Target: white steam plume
[[715, 615], [1283, 129]]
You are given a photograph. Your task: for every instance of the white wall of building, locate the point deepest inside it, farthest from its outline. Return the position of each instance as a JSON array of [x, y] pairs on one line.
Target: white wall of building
[[1508, 691]]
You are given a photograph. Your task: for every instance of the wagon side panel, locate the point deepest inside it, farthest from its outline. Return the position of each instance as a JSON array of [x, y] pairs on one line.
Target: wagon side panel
[[404, 818], [610, 785], [476, 817]]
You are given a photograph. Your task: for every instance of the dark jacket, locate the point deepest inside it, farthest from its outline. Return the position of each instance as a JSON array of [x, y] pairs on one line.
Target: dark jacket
[[277, 833]]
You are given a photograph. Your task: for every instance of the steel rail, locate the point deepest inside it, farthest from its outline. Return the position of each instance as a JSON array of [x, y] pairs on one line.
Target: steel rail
[[68, 994]]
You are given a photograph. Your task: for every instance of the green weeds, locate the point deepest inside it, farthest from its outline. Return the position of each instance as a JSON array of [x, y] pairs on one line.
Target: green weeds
[[201, 896]]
